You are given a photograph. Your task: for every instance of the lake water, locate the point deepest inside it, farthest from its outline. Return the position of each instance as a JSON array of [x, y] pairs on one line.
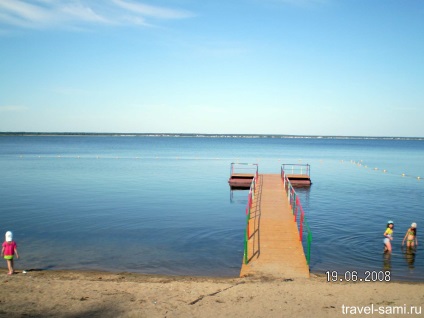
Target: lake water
[[162, 205]]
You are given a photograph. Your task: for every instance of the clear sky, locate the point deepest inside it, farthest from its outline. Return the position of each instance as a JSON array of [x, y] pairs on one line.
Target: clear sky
[[301, 67]]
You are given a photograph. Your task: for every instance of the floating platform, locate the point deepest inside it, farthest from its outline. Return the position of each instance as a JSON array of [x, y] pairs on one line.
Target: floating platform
[[241, 180], [242, 174], [299, 180], [299, 175]]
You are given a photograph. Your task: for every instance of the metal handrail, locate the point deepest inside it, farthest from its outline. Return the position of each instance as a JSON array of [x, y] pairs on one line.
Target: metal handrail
[[233, 164], [296, 207], [250, 198], [305, 169]]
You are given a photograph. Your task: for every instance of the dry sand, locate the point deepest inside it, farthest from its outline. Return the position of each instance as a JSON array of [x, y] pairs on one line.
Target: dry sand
[[103, 294]]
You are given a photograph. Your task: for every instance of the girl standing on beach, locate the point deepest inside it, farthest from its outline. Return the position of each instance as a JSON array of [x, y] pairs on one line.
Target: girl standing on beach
[[9, 250], [388, 236], [411, 236]]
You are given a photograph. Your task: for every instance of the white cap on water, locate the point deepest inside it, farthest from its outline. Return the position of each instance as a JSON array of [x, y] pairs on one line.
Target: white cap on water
[[9, 236]]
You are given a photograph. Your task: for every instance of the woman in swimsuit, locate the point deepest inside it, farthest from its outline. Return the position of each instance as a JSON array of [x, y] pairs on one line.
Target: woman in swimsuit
[[411, 236], [388, 237]]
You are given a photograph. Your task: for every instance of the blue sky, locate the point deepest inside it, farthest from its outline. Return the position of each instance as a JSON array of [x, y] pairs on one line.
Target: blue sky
[[301, 67]]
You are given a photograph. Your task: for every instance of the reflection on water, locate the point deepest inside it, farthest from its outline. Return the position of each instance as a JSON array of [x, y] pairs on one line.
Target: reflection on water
[[238, 196], [304, 195], [387, 261], [409, 253]]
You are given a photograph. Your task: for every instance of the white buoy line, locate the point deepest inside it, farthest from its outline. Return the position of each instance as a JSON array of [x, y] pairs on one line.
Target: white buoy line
[[112, 157], [360, 164], [118, 157]]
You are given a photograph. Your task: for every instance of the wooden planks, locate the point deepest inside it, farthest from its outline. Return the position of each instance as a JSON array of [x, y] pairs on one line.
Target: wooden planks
[[299, 179], [274, 248], [241, 179]]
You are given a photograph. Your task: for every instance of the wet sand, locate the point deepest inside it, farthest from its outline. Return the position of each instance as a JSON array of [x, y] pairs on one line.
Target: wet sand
[[104, 294]]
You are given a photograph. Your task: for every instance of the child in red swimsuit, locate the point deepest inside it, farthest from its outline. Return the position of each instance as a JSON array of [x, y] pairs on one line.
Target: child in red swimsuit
[[9, 250]]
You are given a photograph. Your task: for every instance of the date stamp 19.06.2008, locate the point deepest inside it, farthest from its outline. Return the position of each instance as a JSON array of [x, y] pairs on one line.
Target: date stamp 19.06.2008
[[355, 276]]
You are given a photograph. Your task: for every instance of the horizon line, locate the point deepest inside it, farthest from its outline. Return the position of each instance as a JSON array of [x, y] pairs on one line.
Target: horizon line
[[151, 134]]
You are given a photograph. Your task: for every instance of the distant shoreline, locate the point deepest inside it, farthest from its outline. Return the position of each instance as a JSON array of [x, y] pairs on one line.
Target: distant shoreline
[[194, 135]]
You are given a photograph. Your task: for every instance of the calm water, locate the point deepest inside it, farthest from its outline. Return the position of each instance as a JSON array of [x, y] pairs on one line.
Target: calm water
[[163, 205]]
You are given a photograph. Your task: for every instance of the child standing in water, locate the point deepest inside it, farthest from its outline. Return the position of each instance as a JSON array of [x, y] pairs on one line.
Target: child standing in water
[[411, 236], [388, 236], [9, 250]]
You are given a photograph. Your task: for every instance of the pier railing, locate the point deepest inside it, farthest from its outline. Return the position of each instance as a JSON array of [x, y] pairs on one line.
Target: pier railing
[[240, 168], [296, 208], [250, 198], [296, 168], [298, 213]]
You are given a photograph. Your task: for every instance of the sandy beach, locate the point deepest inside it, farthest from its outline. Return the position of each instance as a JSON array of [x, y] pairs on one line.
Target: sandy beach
[[104, 294]]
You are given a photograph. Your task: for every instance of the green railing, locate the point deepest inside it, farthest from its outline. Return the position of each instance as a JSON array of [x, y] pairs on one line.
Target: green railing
[[296, 208], [250, 199]]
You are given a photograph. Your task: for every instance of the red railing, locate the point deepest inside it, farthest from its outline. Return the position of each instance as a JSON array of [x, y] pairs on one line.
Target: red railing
[[250, 198], [296, 208]]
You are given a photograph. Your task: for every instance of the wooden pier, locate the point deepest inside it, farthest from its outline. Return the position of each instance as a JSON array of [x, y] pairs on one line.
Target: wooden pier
[[273, 246]]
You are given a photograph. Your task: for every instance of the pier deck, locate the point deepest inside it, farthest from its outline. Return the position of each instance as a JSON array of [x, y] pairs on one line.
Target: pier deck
[[242, 180], [274, 248], [299, 179], [242, 174]]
